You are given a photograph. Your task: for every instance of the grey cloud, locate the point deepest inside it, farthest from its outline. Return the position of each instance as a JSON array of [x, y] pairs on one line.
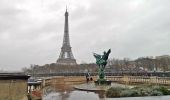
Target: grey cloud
[[131, 28]]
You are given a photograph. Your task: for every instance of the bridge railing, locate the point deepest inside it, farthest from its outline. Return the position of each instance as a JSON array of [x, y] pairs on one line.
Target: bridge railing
[[140, 79], [121, 79]]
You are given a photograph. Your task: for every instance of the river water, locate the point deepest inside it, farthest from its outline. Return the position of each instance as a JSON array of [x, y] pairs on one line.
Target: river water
[[66, 92]]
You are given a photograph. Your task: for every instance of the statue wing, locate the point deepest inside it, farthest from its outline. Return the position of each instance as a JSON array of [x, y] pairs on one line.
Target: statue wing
[[97, 56], [108, 52]]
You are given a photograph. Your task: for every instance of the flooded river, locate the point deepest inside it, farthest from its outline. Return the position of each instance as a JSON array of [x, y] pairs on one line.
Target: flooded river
[[67, 92]]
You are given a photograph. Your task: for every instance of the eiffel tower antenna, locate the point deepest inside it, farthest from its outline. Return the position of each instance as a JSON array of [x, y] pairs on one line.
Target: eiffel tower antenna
[[67, 4], [66, 56], [66, 8]]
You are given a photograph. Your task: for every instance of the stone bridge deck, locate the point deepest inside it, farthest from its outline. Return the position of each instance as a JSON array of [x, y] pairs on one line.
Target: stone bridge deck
[[121, 79]]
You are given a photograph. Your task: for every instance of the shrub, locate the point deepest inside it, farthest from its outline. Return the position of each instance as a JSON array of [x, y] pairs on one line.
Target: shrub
[[137, 91], [129, 93], [114, 92], [156, 93], [164, 91]]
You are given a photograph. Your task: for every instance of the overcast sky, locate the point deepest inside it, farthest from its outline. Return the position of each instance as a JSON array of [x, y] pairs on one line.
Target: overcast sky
[[31, 31]]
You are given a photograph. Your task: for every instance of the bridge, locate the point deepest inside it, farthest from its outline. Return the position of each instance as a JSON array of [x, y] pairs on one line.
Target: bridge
[[72, 80], [159, 78], [120, 73]]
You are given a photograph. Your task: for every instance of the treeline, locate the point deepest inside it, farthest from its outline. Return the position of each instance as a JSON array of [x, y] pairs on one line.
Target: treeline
[[142, 64], [55, 68], [158, 63]]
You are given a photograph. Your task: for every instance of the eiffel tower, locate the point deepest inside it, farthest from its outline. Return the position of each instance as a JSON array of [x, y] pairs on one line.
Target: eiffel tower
[[66, 56]]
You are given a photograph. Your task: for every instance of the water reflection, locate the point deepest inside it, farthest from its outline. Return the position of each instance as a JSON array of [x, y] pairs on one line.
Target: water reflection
[[67, 92]]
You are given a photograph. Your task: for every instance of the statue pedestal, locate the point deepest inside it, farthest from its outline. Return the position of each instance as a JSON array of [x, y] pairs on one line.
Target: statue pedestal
[[102, 82]]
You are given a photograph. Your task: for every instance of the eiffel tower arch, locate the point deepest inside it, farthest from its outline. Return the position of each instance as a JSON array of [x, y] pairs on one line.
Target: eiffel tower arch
[[66, 56]]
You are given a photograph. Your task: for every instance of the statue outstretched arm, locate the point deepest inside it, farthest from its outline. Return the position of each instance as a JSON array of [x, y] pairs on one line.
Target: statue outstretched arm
[[105, 56], [108, 52]]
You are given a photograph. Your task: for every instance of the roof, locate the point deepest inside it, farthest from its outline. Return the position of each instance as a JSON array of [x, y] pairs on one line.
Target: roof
[[7, 76]]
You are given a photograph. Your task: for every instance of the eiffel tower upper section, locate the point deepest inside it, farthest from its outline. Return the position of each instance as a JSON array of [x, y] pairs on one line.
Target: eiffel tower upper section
[[66, 56]]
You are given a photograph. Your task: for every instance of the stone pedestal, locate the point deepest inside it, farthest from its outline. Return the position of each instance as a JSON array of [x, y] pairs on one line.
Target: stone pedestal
[[102, 82]]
